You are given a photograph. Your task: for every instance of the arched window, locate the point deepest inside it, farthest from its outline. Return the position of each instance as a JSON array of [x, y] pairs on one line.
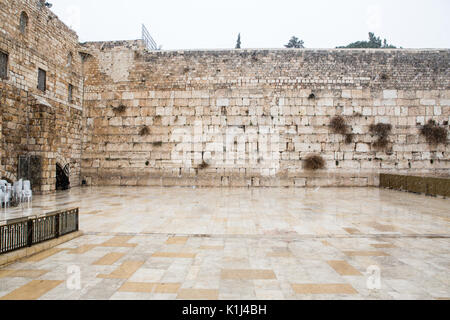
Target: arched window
[[23, 22]]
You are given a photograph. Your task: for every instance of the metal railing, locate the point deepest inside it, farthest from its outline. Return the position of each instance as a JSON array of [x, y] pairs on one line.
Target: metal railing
[[26, 232], [148, 40]]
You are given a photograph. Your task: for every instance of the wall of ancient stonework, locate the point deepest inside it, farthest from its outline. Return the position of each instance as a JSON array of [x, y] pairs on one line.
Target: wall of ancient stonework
[[212, 118], [251, 117], [33, 122]]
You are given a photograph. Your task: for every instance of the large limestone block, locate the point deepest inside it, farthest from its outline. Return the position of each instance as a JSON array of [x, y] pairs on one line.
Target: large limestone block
[[390, 94]]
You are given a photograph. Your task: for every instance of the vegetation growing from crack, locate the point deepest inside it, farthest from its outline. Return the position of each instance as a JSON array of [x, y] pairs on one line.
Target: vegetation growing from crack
[[314, 162], [203, 165], [157, 144], [145, 131], [120, 109], [382, 131], [433, 133], [339, 126], [384, 77]]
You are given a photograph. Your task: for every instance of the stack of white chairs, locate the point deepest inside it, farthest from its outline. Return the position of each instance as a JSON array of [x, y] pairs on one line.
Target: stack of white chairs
[[5, 193], [20, 191]]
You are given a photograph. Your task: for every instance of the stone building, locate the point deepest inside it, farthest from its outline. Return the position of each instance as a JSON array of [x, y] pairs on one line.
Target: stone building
[[40, 95], [115, 113]]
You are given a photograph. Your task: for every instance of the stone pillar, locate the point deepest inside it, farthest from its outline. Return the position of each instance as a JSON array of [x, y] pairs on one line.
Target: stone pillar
[[42, 138]]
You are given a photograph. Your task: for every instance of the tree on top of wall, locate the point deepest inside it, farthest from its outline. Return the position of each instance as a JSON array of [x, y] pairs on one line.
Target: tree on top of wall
[[374, 42], [238, 42], [295, 42]]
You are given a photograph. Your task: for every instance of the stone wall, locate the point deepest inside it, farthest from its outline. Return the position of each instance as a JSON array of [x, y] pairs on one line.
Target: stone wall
[[33, 122], [212, 118], [251, 117], [14, 115]]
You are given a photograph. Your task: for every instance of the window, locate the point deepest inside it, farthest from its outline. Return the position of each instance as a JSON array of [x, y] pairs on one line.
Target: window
[[70, 93], [42, 80], [3, 65], [69, 59], [23, 22]]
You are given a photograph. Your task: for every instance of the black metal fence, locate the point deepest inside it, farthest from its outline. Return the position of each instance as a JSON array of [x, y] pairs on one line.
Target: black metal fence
[[20, 233]]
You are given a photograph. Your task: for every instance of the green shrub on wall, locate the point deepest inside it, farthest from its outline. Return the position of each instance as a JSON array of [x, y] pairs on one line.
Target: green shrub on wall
[[382, 131], [314, 162], [339, 126], [434, 133]]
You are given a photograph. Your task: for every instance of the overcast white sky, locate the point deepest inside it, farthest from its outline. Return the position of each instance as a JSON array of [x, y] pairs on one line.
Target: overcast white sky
[[208, 24]]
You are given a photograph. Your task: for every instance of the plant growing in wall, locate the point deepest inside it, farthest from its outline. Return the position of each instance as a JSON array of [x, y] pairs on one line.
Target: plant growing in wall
[[314, 162], [349, 138], [382, 131], [434, 133], [203, 165], [157, 120], [157, 144], [339, 126], [120, 109], [145, 131]]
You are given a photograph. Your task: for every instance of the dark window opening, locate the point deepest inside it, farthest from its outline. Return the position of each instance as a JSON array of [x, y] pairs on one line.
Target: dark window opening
[[70, 93], [23, 22], [62, 178], [42, 80], [3, 65]]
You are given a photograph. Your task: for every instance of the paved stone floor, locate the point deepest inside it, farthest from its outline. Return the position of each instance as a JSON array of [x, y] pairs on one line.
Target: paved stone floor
[[170, 243]]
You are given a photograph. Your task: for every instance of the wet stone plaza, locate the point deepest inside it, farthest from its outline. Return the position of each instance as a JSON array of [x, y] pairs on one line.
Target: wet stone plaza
[[234, 244]]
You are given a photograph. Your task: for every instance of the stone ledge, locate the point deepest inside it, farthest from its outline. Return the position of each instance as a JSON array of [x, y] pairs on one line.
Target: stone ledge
[[210, 180], [14, 256]]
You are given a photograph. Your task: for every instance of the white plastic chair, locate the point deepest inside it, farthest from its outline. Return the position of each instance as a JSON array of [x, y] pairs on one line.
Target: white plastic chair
[[18, 190], [5, 197], [27, 193], [3, 189], [9, 190]]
